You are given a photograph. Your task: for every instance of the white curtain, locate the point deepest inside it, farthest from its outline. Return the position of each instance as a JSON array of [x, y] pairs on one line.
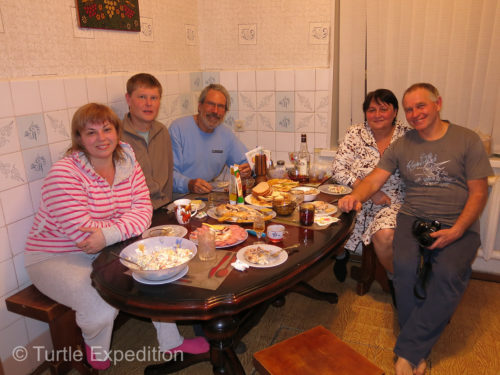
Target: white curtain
[[453, 44]]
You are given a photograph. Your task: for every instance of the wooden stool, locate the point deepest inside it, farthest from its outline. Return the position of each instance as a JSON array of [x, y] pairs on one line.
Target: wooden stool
[[314, 352], [370, 270], [66, 335]]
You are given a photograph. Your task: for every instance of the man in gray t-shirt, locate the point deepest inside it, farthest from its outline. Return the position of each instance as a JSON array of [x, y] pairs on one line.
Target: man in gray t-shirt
[[445, 168]]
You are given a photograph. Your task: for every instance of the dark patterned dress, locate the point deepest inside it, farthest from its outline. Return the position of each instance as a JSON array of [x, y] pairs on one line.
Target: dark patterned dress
[[356, 157]]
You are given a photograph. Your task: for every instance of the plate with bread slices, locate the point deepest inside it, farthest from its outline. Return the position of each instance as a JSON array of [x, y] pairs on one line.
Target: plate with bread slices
[[263, 195]]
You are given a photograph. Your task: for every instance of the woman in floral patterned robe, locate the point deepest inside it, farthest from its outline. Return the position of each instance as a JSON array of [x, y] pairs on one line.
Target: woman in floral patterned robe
[[356, 157]]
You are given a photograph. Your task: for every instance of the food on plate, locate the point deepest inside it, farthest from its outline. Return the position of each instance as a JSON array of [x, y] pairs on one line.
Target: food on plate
[[263, 195], [324, 207], [337, 189], [161, 258], [262, 189], [220, 185], [259, 255], [196, 204], [239, 213], [282, 184], [311, 191], [225, 235]]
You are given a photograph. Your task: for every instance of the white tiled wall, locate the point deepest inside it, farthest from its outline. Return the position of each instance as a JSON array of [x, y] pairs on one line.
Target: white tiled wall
[[276, 107]]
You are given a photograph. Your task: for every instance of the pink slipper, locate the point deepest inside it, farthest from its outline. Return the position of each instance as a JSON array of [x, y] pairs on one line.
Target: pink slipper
[[197, 345], [98, 365]]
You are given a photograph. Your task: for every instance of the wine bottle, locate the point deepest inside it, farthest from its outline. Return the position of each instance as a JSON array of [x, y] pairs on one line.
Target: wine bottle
[[304, 159]]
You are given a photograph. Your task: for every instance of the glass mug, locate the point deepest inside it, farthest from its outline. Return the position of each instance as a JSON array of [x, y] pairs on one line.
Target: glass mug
[[276, 232], [183, 211]]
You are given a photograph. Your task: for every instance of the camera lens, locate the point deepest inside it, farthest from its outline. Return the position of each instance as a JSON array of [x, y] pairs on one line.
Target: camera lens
[[425, 239], [422, 230]]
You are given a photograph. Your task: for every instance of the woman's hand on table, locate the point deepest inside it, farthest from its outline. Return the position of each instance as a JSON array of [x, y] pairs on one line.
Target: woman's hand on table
[[93, 243], [380, 198]]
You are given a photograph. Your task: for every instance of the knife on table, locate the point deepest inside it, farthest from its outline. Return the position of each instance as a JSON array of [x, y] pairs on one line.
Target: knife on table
[[214, 269]]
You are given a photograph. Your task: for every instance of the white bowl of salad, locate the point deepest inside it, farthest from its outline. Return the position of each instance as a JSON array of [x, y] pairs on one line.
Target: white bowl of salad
[[158, 258]]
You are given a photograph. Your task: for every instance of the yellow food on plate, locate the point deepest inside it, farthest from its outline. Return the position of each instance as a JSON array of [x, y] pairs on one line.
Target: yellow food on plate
[[196, 203], [282, 184], [238, 213]]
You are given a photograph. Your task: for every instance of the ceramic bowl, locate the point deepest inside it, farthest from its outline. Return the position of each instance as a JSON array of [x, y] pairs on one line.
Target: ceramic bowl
[[154, 244], [310, 193]]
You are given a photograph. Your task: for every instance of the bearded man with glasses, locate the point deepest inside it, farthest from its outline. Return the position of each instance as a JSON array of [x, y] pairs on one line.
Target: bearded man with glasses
[[202, 147]]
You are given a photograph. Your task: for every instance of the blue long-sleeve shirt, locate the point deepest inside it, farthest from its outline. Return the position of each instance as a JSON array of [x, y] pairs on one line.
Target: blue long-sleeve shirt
[[202, 155]]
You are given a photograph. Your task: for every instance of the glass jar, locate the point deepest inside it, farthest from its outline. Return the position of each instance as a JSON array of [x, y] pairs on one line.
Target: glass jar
[[278, 170]]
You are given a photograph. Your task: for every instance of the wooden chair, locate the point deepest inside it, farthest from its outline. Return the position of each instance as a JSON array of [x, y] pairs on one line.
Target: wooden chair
[[369, 271], [316, 351]]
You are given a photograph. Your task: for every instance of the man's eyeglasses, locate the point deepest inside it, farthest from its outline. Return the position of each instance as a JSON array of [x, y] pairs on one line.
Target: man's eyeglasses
[[213, 105]]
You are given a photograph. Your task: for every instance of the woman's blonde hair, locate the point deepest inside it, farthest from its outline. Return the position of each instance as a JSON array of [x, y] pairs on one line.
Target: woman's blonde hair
[[93, 113]]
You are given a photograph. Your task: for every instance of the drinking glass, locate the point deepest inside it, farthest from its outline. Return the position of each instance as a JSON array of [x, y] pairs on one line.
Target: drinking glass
[[206, 244], [259, 226]]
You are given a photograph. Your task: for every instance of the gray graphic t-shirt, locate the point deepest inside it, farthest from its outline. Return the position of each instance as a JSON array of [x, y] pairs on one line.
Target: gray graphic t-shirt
[[436, 172]]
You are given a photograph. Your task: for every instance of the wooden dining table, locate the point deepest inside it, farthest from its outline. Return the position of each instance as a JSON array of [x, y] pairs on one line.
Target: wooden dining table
[[229, 312]]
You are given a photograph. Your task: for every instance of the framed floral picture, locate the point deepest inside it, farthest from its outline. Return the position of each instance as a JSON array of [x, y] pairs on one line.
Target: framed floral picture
[[109, 14]]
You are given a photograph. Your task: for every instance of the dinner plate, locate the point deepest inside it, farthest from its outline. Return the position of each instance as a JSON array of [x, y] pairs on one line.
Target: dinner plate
[[165, 230], [176, 277], [269, 215], [335, 189], [254, 202], [330, 209], [194, 206], [280, 259], [237, 242], [220, 186]]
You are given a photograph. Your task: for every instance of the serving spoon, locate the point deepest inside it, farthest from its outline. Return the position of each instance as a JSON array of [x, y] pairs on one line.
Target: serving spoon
[[127, 260]]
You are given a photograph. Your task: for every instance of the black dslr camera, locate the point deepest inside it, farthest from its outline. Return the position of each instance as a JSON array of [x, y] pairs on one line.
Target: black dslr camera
[[421, 231]]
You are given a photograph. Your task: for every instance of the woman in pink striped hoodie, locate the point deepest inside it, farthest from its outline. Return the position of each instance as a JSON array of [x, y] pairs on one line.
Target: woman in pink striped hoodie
[[94, 197]]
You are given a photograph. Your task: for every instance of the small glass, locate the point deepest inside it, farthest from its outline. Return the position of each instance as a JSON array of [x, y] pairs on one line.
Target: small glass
[[259, 226], [306, 214], [206, 244], [211, 200]]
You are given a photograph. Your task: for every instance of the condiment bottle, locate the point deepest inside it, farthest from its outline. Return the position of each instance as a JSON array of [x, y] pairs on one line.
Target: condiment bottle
[[233, 189], [281, 169]]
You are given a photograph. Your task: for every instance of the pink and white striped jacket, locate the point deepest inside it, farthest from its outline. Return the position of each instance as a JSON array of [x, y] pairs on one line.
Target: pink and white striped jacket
[[74, 196]]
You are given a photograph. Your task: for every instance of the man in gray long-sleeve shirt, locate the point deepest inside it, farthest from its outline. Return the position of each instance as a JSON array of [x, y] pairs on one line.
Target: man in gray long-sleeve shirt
[[149, 138]]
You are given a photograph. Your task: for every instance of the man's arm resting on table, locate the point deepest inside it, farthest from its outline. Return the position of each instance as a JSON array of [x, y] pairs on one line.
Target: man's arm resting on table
[[364, 190], [478, 196]]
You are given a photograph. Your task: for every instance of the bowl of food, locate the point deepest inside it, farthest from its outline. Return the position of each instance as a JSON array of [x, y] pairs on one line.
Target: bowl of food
[[310, 193], [284, 204], [158, 258]]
